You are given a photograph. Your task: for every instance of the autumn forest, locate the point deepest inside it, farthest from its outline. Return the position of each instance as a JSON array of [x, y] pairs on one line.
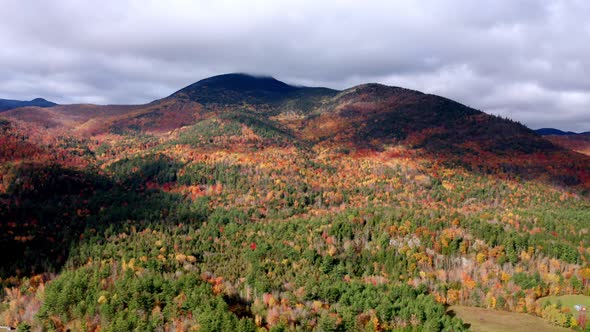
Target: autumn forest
[[242, 203]]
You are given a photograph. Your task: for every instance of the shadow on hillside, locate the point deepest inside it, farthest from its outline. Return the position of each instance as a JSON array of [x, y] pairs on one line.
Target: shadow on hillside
[[47, 209]]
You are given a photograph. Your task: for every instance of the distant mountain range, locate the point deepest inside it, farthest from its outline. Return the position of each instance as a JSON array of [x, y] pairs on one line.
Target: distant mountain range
[[557, 132], [579, 142], [8, 104]]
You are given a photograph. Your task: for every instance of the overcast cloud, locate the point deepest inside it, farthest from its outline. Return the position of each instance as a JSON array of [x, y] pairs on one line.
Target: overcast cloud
[[528, 60]]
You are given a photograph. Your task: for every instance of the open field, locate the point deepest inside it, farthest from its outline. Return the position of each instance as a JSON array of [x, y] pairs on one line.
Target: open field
[[487, 320], [569, 300]]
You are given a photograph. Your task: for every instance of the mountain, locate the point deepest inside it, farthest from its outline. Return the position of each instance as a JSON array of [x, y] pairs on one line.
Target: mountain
[[381, 114], [364, 116], [7, 104], [368, 116], [229, 91]]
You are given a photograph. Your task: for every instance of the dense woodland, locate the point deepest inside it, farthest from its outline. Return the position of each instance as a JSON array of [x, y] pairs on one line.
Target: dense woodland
[[236, 223]]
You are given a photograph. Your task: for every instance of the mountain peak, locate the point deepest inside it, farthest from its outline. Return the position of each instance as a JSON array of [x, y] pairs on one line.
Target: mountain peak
[[237, 88], [39, 100], [240, 82], [244, 82]]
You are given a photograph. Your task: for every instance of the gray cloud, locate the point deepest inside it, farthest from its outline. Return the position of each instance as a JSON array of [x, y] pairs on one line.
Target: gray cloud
[[527, 60]]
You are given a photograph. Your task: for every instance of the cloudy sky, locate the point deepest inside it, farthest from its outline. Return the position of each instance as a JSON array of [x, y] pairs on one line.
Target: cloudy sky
[[525, 59]]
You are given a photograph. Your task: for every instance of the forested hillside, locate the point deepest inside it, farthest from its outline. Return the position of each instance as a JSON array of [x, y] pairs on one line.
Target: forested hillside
[[245, 204]]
